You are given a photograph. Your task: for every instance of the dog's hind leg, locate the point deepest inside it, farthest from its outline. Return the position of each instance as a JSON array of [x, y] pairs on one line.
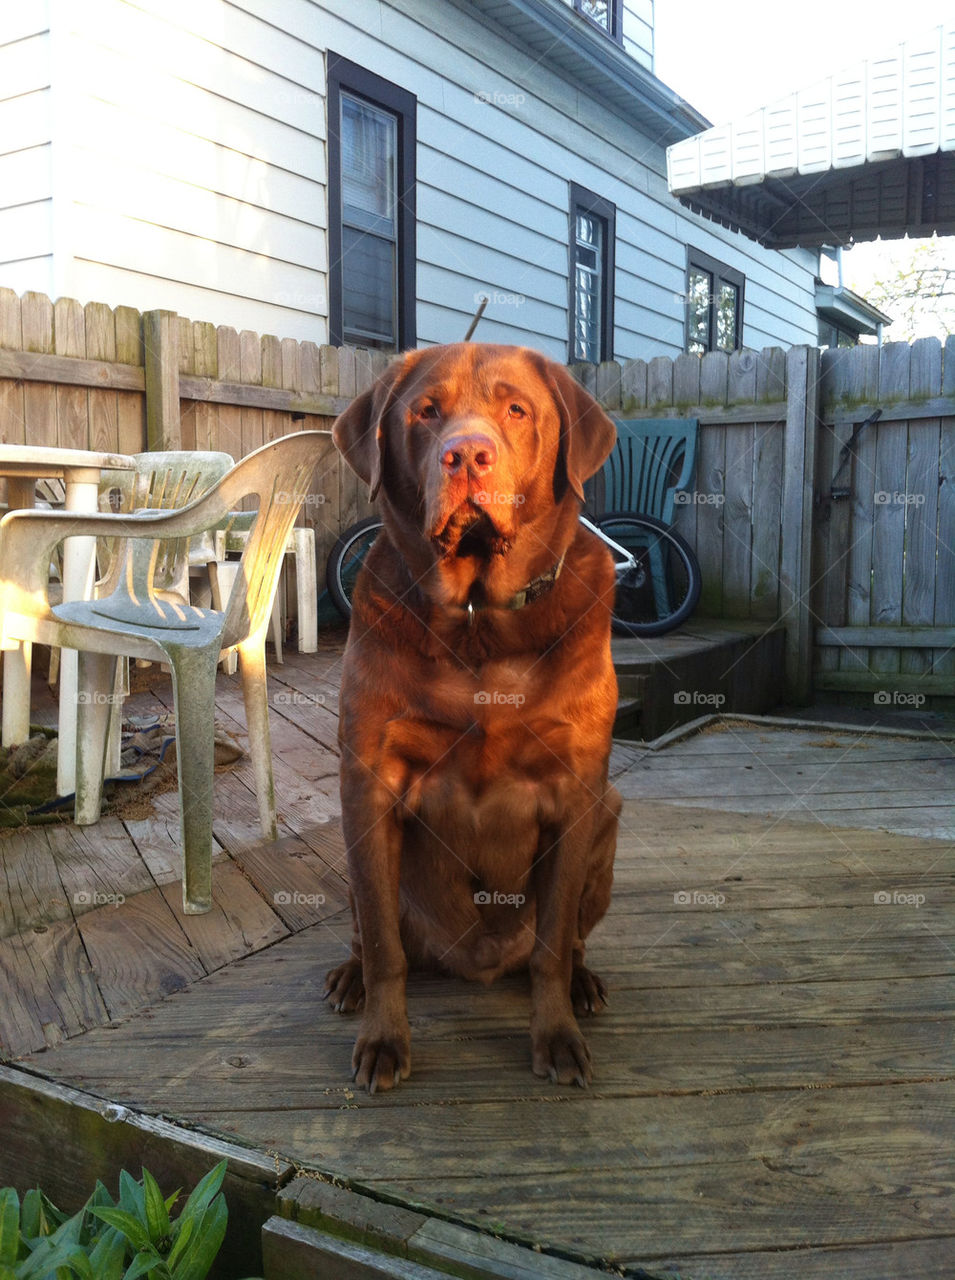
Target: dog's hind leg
[[588, 992]]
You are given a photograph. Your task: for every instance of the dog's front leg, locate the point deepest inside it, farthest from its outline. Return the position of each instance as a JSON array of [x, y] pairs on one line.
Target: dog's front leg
[[382, 1053], [557, 1047]]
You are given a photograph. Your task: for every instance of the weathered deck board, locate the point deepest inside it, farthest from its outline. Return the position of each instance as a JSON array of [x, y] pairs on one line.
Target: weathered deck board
[[840, 779]]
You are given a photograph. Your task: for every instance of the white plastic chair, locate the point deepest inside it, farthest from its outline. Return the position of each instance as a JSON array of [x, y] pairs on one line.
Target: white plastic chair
[[129, 619]]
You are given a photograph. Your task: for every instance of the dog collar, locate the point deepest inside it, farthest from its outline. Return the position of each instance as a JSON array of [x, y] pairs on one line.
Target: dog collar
[[527, 595]]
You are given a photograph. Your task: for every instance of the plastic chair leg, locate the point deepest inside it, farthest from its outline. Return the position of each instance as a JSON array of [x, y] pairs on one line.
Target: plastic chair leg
[[96, 681], [255, 694], [16, 694], [194, 683], [306, 587]]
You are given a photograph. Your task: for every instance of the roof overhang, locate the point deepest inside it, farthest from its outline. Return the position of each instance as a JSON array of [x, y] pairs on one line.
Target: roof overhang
[[552, 34], [846, 309], [867, 152]]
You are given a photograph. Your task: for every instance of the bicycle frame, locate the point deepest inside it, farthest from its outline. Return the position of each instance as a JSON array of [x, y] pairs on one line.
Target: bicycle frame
[[625, 555]]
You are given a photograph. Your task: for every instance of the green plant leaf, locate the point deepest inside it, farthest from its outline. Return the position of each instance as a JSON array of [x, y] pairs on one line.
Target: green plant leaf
[[108, 1258], [204, 1191], [206, 1242], [148, 1261], [9, 1225], [74, 1261], [157, 1215], [6, 1272], [69, 1231], [171, 1200], [131, 1195], [185, 1226], [130, 1225], [39, 1216]]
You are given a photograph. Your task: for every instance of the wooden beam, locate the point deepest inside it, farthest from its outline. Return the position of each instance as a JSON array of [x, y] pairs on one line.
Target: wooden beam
[[900, 411], [70, 371], [209, 391], [888, 637], [888, 682], [795, 574], [161, 349]]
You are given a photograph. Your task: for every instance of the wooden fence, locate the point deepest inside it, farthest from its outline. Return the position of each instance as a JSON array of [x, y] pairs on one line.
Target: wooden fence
[[859, 565]]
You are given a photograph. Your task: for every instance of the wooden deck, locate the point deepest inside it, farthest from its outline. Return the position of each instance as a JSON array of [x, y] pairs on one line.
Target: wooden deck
[[774, 1076]]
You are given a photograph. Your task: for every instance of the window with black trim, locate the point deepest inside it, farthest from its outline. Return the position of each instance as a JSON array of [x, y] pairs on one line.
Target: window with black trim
[[714, 304], [371, 209], [592, 235], [605, 14]]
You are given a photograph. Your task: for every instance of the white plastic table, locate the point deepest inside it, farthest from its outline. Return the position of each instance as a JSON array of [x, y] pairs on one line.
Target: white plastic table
[[23, 465]]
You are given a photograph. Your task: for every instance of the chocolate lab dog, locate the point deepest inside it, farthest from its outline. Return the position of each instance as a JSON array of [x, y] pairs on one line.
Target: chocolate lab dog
[[478, 698]]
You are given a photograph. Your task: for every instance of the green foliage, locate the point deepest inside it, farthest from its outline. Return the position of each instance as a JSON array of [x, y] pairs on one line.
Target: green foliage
[[114, 1239]]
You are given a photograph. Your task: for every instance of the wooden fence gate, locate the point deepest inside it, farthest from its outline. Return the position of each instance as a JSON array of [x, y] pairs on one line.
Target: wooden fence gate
[[883, 596]]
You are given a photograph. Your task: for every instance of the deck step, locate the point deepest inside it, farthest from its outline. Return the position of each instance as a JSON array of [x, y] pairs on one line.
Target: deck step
[[704, 667]]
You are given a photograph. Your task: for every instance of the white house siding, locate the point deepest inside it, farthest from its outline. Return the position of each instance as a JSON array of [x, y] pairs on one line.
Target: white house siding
[[193, 175], [498, 144], [637, 29], [26, 165]]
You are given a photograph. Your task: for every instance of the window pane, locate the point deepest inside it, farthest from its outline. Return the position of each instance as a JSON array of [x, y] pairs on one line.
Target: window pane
[[700, 285], [368, 288], [369, 145], [598, 11], [726, 307], [588, 258]]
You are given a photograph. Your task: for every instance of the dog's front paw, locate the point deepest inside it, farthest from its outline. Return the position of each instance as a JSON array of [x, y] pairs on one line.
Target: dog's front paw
[[344, 987], [588, 992], [561, 1054], [382, 1057]]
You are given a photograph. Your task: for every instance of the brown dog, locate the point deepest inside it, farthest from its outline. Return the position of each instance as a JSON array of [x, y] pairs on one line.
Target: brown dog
[[478, 698]]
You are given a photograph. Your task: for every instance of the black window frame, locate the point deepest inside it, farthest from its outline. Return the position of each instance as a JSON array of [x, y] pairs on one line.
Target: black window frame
[[589, 202], [721, 274], [403, 105], [616, 20]]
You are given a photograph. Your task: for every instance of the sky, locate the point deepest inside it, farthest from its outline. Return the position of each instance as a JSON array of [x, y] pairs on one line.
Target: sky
[[727, 57]]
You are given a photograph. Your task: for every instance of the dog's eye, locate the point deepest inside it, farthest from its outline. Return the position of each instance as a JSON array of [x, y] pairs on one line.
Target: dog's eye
[[516, 411], [428, 412]]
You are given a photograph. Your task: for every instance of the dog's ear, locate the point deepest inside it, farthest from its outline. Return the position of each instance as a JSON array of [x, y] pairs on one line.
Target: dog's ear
[[587, 434], [358, 431]]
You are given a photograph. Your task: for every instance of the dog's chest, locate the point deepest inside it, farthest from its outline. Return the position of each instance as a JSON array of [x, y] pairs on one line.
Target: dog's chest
[[489, 758]]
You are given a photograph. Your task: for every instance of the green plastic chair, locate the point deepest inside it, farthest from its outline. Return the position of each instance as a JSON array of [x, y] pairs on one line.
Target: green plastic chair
[[653, 460], [129, 619]]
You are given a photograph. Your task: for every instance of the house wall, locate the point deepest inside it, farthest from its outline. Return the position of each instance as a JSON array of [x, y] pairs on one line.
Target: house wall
[[26, 154], [192, 174]]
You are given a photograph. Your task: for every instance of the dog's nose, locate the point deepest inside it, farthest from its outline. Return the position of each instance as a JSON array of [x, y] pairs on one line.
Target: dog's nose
[[475, 453]]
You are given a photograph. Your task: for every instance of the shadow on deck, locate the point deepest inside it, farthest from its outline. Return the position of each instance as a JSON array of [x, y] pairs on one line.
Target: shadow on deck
[[773, 1091]]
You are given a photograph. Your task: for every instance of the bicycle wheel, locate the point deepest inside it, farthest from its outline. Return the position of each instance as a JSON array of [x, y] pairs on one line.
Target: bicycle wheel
[[661, 589], [346, 558]]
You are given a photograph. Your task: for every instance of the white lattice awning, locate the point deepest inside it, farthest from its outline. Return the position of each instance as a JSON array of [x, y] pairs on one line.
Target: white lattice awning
[[869, 151]]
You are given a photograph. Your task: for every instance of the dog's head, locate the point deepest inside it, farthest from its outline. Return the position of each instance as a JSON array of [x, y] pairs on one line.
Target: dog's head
[[478, 454]]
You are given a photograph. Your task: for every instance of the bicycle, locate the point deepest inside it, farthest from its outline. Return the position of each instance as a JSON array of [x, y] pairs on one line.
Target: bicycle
[[658, 574]]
